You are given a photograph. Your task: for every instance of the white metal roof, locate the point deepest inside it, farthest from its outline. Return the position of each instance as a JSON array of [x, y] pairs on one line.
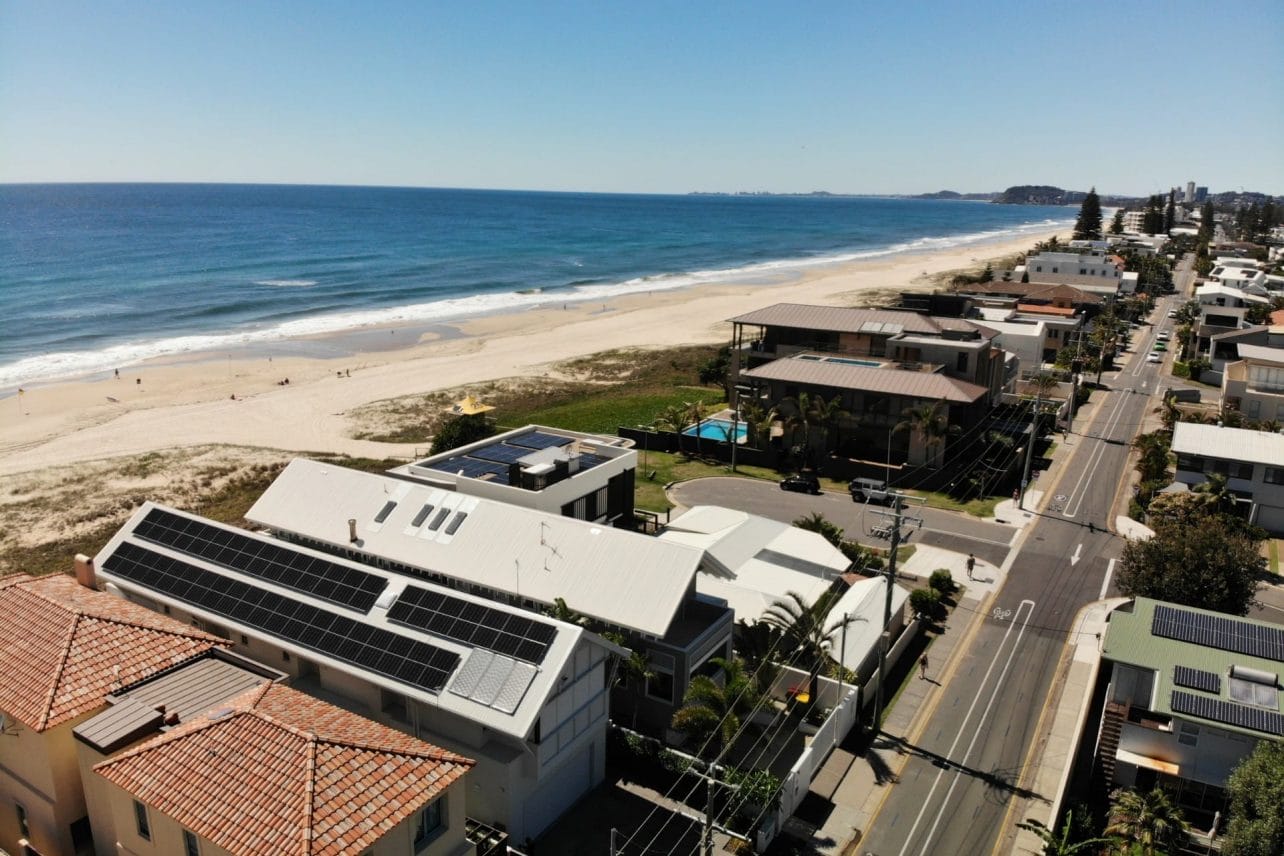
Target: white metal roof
[[624, 578], [864, 601], [1260, 353], [544, 677], [751, 561], [1230, 444]]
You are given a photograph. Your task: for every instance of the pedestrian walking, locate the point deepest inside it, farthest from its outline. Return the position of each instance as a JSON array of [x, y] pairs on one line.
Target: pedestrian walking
[[971, 565], [922, 668]]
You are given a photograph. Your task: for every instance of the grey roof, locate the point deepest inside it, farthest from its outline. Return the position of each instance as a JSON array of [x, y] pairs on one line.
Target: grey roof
[[1261, 353], [927, 385], [624, 578], [1231, 444], [185, 691], [844, 319]]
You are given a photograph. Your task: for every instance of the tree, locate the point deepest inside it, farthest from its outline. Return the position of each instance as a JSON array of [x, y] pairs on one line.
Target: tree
[[1256, 790], [1206, 564], [710, 709], [695, 416], [1152, 460], [1170, 212], [460, 431], [1117, 222], [1207, 225], [928, 425], [804, 630], [1088, 226], [1153, 220], [1059, 843], [635, 671], [817, 522], [1149, 822]]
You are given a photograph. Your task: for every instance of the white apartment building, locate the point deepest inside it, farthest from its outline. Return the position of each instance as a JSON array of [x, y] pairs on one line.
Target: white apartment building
[[1094, 271]]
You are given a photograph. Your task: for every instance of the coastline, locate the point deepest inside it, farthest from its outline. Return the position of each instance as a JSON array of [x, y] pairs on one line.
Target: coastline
[[187, 401]]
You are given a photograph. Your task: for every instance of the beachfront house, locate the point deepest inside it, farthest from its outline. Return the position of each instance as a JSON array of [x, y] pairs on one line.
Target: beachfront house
[[1095, 271], [64, 649], [621, 581], [1251, 461], [1191, 693], [523, 694], [585, 476], [879, 364], [235, 763]]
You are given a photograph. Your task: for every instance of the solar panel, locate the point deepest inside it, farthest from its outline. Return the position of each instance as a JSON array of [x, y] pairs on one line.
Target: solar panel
[[539, 440], [492, 680], [274, 562], [473, 624], [1215, 631], [409, 661], [501, 453], [1265, 721], [1197, 679], [473, 468]]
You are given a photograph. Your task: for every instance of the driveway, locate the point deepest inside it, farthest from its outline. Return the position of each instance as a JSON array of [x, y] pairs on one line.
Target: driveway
[[946, 529]]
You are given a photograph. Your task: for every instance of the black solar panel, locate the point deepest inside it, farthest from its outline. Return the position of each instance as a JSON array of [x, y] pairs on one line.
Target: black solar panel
[[1215, 631], [275, 562], [410, 661], [1197, 679], [539, 440], [1265, 721], [473, 624], [473, 468], [501, 453]]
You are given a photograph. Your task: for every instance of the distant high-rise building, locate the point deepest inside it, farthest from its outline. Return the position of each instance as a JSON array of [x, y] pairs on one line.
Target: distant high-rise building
[[1201, 194], [1190, 192]]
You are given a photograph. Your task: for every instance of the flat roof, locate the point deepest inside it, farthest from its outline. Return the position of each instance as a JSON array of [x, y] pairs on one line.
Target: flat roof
[[385, 643], [624, 578], [910, 384], [1231, 444], [846, 319], [1144, 637], [491, 459], [1261, 353]]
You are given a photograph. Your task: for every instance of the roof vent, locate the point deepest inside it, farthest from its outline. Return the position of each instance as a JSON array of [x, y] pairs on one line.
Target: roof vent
[[352, 530]]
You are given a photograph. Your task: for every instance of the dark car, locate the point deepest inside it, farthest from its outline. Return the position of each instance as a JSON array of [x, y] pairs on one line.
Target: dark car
[[802, 482]]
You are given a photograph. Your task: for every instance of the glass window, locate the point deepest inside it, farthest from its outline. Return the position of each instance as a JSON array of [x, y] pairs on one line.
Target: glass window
[[1274, 475], [191, 847], [428, 823], [140, 821], [660, 686], [23, 826]]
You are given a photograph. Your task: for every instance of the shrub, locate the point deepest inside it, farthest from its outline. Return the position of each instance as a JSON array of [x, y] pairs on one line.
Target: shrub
[[941, 581], [926, 601], [460, 431]]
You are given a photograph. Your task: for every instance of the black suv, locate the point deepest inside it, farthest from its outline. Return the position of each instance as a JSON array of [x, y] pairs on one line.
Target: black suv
[[802, 482]]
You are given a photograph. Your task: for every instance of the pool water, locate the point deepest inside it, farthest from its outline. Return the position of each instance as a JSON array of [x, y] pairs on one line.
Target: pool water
[[718, 429], [847, 361]]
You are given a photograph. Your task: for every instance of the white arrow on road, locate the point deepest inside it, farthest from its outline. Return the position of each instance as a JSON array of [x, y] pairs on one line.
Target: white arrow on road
[[1074, 559]]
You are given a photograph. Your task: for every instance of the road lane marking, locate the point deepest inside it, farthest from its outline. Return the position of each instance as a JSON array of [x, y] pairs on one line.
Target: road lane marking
[[1074, 557], [1105, 584], [977, 733], [1094, 459], [967, 716]]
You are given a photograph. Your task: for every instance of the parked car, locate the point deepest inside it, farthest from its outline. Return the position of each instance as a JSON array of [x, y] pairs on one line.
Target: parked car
[[1160, 346], [869, 490], [802, 483], [1164, 336], [1153, 357]]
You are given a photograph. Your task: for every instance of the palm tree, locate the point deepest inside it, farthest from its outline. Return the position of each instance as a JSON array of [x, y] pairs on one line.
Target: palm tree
[[928, 425], [757, 423], [1152, 460], [560, 611], [713, 709], [804, 629], [756, 643], [799, 413], [1217, 494], [1060, 845], [1148, 821], [635, 672], [825, 415], [695, 416]]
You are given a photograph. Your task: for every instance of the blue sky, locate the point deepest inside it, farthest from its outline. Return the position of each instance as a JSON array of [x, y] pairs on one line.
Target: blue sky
[[647, 97]]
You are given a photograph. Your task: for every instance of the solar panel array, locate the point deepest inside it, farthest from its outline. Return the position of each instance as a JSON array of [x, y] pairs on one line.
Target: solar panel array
[[1197, 679], [276, 563], [473, 624], [1215, 631], [1265, 721], [539, 440], [493, 680], [409, 661], [492, 462]]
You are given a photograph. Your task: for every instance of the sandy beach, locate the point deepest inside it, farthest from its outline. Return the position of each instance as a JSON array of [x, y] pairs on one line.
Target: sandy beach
[[239, 400]]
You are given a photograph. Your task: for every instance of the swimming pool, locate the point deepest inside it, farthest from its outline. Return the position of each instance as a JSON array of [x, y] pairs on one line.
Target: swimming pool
[[719, 429], [847, 361]]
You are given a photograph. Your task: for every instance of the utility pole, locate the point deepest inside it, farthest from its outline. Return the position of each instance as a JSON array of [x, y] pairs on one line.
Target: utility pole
[[898, 516], [1029, 446]]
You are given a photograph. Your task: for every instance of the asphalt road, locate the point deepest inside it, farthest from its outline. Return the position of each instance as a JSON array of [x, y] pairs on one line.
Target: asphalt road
[[966, 763], [950, 530]]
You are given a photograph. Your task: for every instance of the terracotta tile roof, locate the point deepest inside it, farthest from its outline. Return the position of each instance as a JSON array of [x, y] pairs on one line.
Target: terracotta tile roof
[[1045, 309], [278, 772], [64, 647]]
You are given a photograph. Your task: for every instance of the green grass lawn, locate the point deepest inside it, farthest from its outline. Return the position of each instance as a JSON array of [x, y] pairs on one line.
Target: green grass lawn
[[983, 507], [607, 410]]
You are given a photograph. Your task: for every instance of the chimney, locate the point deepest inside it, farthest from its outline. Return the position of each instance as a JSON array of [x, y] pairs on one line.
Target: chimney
[[352, 530], [85, 571]]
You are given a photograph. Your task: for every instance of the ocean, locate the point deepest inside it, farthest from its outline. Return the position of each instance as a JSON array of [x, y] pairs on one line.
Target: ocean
[[100, 276]]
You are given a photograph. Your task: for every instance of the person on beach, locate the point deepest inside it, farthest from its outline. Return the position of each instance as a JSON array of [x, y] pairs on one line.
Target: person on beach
[[971, 565], [117, 374], [922, 668]]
